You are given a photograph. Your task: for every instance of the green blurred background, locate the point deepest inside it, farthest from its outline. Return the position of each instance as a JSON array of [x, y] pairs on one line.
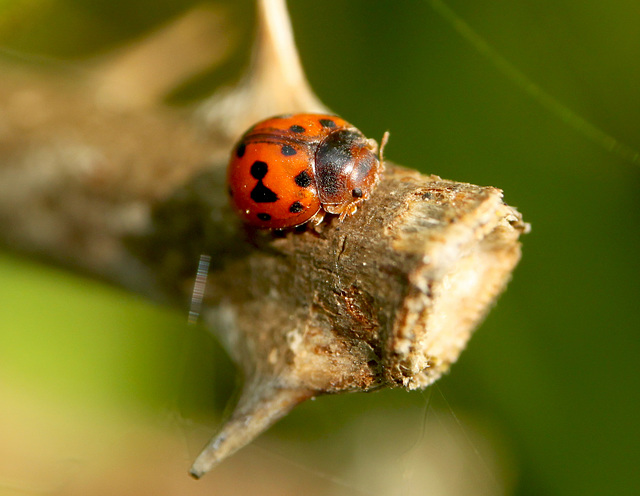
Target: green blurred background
[[552, 375]]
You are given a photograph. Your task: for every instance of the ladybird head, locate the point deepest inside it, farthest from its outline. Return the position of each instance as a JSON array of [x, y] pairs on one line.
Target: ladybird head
[[347, 170]]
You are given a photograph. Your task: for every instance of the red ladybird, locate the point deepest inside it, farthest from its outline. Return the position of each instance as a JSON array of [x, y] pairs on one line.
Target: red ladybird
[[292, 169]]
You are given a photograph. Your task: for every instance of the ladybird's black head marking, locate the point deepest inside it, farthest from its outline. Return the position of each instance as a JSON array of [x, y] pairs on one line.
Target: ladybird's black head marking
[[259, 169], [356, 193], [264, 217], [296, 128], [296, 208], [288, 150], [327, 123], [240, 150], [303, 179]]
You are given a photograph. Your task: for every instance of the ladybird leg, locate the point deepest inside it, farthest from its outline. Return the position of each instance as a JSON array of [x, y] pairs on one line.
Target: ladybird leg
[[349, 210], [317, 218]]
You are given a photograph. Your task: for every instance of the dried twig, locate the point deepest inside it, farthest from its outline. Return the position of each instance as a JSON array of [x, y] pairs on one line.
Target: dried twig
[[387, 298]]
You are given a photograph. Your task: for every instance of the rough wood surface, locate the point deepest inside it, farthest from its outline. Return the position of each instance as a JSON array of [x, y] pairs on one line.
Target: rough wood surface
[[135, 195], [389, 297]]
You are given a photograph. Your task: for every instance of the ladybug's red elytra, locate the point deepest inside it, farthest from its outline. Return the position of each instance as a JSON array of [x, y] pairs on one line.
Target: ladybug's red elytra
[[292, 169]]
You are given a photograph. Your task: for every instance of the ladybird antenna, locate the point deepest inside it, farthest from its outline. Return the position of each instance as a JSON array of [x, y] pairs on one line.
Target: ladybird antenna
[[383, 143]]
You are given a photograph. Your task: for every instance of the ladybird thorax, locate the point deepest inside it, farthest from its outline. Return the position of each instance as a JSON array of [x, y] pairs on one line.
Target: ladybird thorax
[[347, 169]]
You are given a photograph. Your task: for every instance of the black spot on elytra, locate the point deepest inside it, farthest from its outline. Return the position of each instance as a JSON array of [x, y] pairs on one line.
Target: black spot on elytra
[[259, 169], [303, 179], [327, 123], [288, 150], [356, 193], [240, 150], [296, 208], [296, 128], [260, 193], [230, 191], [264, 217]]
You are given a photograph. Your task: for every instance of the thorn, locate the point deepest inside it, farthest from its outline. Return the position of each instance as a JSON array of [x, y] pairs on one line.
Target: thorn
[[274, 83], [259, 407]]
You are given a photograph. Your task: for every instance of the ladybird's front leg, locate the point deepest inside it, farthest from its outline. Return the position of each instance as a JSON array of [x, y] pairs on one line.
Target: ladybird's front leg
[[349, 210]]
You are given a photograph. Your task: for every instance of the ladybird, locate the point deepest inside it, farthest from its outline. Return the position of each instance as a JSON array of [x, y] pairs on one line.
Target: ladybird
[[292, 169]]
